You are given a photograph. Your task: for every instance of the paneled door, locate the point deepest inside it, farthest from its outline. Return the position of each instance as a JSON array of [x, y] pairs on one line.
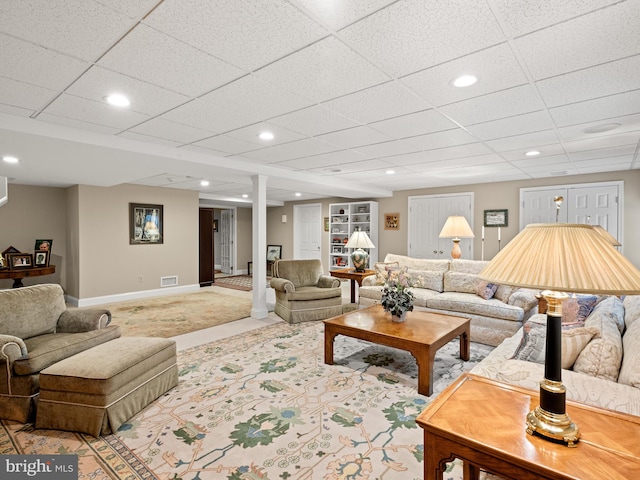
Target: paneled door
[[307, 228], [206, 253], [226, 241]]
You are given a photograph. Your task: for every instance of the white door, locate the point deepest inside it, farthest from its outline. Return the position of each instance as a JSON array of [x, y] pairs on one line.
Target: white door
[[226, 241], [307, 228], [595, 206], [539, 206]]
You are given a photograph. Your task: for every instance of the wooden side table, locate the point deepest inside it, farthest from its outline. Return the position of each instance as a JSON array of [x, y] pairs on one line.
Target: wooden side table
[[17, 274], [354, 276], [482, 422]]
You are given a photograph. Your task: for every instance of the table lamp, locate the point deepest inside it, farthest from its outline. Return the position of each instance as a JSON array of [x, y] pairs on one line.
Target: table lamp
[[610, 238], [558, 258], [359, 257], [456, 227]]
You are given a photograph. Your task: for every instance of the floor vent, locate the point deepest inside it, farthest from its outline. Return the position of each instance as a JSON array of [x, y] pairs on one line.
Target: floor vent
[[169, 281]]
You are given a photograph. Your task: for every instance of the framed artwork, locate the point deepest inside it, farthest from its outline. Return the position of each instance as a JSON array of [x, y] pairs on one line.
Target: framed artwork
[[215, 225], [392, 221], [274, 252], [20, 260], [43, 246], [496, 218], [326, 224], [41, 258], [5, 255], [145, 224]]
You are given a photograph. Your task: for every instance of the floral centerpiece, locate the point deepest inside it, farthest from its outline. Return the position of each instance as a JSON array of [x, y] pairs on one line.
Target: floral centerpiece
[[396, 298]]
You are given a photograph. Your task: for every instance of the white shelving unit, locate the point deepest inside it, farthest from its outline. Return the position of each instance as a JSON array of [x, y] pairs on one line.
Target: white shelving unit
[[344, 219]]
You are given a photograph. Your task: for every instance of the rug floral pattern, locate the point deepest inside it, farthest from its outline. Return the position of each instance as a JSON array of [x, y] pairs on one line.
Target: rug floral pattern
[[265, 406]]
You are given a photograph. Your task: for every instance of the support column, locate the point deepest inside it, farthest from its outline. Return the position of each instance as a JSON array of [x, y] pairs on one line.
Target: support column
[[259, 247]]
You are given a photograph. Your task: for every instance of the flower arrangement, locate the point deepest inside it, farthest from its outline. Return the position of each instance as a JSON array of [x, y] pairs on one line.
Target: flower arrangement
[[396, 299]]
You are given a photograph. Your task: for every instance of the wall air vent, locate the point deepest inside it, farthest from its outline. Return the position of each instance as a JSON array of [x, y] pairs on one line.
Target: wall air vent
[[169, 281]]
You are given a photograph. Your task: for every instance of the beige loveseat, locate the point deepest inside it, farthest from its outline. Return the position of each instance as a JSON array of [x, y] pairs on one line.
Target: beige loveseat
[[36, 331], [453, 287], [600, 369]]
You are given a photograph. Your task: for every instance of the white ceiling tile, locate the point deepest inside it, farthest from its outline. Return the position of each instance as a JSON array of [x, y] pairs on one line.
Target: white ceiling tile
[[386, 149], [313, 121], [419, 123], [204, 114], [366, 168], [340, 13], [628, 123], [583, 42], [325, 70], [580, 154], [610, 167], [493, 163], [507, 127], [98, 113], [413, 34], [98, 83], [524, 142], [496, 68], [23, 94], [200, 149], [448, 138], [598, 163], [135, 9], [545, 151], [149, 138], [460, 151], [599, 109], [568, 172], [228, 144], [410, 160], [378, 103], [32, 64], [310, 146], [154, 57], [71, 122], [608, 79], [535, 162], [505, 103], [278, 153], [337, 159], [548, 168], [355, 137], [250, 134], [168, 130], [597, 142], [89, 27], [248, 34], [18, 111], [524, 16]]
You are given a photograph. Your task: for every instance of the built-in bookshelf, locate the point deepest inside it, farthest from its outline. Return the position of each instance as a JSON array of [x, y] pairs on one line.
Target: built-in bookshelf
[[344, 219]]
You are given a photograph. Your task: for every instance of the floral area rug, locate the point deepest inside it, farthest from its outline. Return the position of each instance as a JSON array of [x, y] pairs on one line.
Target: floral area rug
[[264, 405]]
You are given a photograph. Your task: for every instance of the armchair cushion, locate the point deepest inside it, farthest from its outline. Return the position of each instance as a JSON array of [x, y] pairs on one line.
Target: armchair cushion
[[301, 273], [18, 304], [314, 293], [282, 285], [83, 320], [11, 348], [327, 281]]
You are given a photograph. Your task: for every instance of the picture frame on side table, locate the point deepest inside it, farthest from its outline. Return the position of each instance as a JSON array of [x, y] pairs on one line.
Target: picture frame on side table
[[274, 252], [496, 218], [20, 260], [5, 255], [145, 224], [43, 245], [41, 258]]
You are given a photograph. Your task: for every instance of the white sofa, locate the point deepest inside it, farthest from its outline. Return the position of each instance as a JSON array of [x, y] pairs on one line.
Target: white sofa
[[606, 372], [451, 287]]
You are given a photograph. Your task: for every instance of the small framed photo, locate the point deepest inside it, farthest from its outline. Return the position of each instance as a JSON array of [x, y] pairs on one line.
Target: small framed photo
[[43, 245], [392, 221], [496, 218], [274, 252], [5, 255], [41, 258], [20, 260], [145, 224]]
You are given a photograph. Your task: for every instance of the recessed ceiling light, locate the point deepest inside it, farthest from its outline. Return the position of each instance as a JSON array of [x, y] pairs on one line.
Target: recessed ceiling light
[[464, 81], [532, 153], [601, 128], [266, 136], [244, 195], [10, 159], [204, 183], [118, 100], [390, 172], [298, 194]]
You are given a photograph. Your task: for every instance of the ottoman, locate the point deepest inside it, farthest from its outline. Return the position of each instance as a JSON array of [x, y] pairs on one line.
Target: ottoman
[[97, 390]]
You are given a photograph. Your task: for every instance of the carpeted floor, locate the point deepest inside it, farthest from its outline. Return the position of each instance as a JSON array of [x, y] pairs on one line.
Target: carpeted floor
[[177, 314], [264, 405]]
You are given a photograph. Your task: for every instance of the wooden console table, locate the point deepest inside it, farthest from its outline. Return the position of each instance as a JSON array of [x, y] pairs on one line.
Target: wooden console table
[[17, 274], [482, 422]]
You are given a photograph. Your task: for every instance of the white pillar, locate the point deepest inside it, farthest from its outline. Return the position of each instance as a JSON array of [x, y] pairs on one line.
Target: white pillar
[[259, 247]]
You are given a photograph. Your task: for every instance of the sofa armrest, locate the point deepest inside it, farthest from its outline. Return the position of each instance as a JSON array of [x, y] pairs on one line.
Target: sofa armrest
[[11, 348], [524, 298], [327, 281], [282, 285], [369, 281], [83, 320]]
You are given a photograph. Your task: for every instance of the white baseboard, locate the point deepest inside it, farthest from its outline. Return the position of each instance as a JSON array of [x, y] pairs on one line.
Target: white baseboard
[[123, 297]]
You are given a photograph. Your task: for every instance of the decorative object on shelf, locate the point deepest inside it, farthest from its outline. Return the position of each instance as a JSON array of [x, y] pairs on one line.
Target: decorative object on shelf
[[362, 209], [456, 227], [496, 218], [342, 211], [561, 257], [396, 299], [145, 224], [359, 257], [392, 221], [326, 224]]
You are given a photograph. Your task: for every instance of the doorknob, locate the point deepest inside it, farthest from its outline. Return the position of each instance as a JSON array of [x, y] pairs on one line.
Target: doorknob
[[435, 251], [441, 252]]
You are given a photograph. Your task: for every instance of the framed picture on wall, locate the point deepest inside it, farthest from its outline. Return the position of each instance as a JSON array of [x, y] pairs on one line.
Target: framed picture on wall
[[145, 224], [496, 218], [392, 221]]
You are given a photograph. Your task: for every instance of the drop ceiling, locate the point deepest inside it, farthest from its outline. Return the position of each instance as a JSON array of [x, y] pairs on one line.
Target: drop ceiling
[[350, 89]]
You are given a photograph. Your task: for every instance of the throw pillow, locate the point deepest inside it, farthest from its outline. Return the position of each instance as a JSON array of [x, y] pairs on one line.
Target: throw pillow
[[630, 368], [504, 292], [631, 309], [485, 289], [428, 279], [382, 270], [577, 308], [460, 282], [532, 346]]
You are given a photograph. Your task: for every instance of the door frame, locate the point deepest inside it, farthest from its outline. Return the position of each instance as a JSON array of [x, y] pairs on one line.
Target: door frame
[[233, 229], [296, 233]]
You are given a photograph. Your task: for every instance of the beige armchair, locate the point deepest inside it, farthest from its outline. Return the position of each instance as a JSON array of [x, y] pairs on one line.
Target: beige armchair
[[36, 331], [303, 292]]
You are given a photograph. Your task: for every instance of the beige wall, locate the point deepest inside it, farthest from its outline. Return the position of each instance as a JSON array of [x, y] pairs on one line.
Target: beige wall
[[32, 213], [244, 238], [487, 196]]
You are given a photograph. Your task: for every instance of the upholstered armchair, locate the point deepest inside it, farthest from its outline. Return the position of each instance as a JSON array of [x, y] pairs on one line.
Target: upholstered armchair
[[36, 331], [303, 292]]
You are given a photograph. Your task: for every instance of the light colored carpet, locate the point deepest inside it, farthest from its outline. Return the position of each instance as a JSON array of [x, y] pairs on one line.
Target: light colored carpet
[[177, 314]]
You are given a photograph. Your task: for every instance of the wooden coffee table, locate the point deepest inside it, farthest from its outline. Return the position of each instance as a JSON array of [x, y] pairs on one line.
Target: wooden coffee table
[[483, 422], [421, 334]]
